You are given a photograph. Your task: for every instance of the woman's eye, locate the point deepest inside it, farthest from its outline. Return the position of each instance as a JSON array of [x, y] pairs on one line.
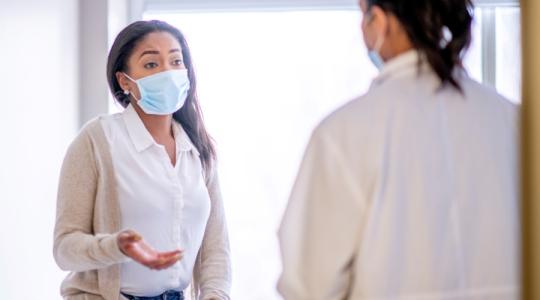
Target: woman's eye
[[178, 62], [150, 65]]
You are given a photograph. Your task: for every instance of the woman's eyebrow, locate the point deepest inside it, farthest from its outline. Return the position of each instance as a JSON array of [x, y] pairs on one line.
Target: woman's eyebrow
[[149, 52], [157, 52]]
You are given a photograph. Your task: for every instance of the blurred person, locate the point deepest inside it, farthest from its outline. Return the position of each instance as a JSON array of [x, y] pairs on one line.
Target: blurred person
[[410, 191], [139, 211]]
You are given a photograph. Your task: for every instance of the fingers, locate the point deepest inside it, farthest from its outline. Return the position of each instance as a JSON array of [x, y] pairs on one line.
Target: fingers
[[167, 264], [141, 252], [133, 245], [171, 253], [165, 260]]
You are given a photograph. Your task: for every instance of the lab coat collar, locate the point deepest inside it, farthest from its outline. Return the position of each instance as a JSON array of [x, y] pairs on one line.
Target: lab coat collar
[[405, 62], [142, 139]]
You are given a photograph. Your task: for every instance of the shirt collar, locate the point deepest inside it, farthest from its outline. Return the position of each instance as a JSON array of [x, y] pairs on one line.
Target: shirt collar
[[183, 142], [139, 135], [403, 63], [142, 139]]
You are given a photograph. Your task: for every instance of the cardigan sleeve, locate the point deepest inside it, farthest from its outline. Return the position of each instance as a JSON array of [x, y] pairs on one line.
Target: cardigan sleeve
[[212, 272], [76, 247]]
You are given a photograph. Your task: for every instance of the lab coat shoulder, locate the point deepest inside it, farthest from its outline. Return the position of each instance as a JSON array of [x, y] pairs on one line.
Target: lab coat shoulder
[[352, 116], [350, 124], [356, 130], [492, 100], [347, 146]]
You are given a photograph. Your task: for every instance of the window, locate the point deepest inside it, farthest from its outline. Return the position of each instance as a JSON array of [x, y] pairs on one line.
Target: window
[[265, 80], [508, 52], [268, 76]]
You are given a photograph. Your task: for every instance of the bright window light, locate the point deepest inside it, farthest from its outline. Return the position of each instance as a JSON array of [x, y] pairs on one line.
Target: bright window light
[[265, 79], [508, 51]]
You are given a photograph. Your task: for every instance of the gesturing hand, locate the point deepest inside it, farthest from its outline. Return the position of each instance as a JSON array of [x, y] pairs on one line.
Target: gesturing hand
[[133, 245]]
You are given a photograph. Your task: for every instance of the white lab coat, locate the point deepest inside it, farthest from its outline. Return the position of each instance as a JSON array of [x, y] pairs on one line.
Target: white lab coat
[[409, 192]]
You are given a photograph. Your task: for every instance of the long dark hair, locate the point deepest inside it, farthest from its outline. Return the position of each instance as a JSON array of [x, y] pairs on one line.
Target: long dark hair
[[190, 115], [439, 29]]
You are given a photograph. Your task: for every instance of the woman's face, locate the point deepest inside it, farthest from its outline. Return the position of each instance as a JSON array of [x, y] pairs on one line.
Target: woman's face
[[157, 52]]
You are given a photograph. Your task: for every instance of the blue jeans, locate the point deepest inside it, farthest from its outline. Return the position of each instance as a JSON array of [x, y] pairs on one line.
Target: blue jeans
[[168, 295]]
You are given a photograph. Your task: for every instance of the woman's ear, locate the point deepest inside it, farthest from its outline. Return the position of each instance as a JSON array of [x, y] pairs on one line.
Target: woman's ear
[[374, 26], [378, 20], [122, 81]]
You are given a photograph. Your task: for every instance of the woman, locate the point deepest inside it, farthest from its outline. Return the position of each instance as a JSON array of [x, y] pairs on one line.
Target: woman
[[139, 211], [410, 191]]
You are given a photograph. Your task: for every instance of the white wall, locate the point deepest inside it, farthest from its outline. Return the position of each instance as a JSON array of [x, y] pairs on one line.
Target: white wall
[[38, 118], [94, 92]]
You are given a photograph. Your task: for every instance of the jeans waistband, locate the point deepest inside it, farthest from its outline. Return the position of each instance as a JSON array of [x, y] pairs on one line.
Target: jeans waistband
[[168, 295]]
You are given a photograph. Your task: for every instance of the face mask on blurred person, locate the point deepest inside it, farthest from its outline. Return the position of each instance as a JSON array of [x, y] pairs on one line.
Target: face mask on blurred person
[[374, 53]]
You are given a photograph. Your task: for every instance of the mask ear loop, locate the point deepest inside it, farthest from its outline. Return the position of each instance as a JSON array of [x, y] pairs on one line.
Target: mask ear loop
[[126, 92]]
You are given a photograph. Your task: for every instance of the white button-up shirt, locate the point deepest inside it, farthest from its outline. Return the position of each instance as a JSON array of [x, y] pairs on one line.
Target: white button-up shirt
[[409, 192], [168, 205]]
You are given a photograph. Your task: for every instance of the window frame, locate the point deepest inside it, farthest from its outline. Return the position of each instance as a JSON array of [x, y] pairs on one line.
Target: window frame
[[137, 8]]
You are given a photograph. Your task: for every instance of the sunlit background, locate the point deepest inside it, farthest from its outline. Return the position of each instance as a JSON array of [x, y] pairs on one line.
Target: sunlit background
[[266, 77], [265, 80]]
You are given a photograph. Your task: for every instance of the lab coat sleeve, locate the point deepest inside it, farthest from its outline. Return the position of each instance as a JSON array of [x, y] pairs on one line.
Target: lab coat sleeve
[[320, 230]]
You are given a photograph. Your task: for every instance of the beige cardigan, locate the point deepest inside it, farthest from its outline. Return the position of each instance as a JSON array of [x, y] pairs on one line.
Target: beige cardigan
[[88, 222]]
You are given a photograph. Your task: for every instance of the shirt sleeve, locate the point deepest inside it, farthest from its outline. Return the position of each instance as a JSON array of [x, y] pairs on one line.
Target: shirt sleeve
[[76, 247], [320, 230], [212, 272]]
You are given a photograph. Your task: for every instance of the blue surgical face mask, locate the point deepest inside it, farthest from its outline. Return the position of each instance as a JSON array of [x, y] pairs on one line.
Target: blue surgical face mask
[[162, 93], [375, 57], [374, 54]]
